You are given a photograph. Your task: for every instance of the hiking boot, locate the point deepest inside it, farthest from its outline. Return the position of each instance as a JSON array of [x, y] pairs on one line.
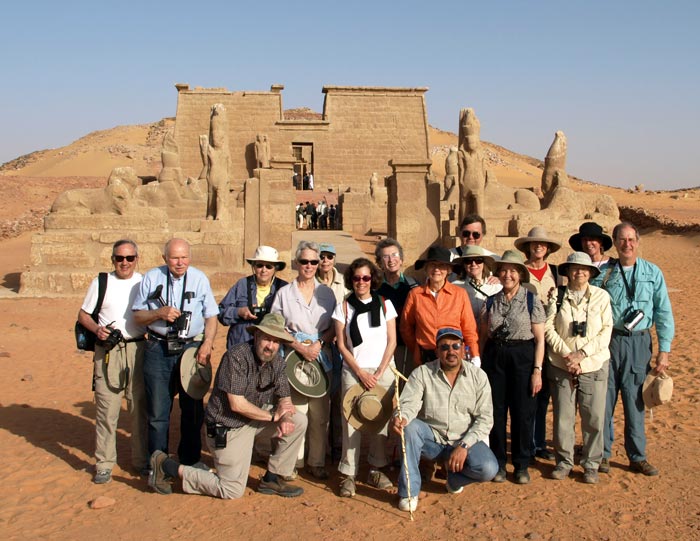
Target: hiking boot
[[291, 476], [522, 477], [319, 472], [408, 504], [642, 466], [347, 487], [157, 479], [544, 454], [102, 477], [452, 490], [378, 479], [280, 487], [590, 476], [500, 476], [604, 466], [560, 472]]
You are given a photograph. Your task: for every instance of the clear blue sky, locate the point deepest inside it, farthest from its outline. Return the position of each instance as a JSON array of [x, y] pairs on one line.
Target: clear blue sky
[[621, 79]]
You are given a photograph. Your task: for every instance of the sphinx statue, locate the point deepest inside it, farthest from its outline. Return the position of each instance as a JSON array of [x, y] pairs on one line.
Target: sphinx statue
[[471, 170]]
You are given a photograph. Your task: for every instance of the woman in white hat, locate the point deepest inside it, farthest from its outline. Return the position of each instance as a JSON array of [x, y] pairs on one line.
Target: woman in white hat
[[251, 297], [365, 327], [512, 327], [578, 331], [474, 268]]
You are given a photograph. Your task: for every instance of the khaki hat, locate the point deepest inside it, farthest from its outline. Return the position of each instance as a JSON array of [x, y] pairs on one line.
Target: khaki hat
[[657, 389], [578, 258], [306, 377], [472, 251], [194, 377], [272, 325], [267, 254], [536, 234], [368, 410], [514, 258]]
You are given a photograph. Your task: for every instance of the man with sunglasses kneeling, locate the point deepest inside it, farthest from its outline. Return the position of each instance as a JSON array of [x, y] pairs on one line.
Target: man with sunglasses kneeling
[[446, 414]]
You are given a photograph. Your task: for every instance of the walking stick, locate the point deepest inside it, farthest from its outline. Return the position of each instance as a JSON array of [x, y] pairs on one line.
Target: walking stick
[[398, 375]]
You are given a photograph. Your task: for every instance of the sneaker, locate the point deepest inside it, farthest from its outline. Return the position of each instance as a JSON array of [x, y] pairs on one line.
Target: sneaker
[[522, 477], [157, 479], [378, 479], [280, 487], [145, 471], [604, 466], [544, 454], [500, 476], [408, 504], [452, 490], [560, 472], [319, 472], [642, 466], [590, 476], [291, 476], [347, 487], [102, 477]]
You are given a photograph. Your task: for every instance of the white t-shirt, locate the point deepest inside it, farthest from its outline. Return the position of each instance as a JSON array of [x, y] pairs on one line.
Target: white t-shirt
[[116, 306], [369, 353]]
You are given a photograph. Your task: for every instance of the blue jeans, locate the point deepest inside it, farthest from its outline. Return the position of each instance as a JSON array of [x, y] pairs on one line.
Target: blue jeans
[[481, 464], [161, 375]]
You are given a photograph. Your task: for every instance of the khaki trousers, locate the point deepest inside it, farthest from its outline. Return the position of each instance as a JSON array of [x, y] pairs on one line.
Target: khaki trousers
[[317, 411], [233, 462], [112, 383]]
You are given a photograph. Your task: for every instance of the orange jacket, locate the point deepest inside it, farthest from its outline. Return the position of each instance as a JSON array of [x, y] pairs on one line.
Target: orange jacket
[[423, 315]]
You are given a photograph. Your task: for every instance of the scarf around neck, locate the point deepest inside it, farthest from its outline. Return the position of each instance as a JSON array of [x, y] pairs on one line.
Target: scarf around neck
[[373, 307]]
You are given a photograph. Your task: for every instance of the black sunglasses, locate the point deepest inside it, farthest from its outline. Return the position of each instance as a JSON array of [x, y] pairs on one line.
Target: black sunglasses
[[328, 256], [363, 278], [473, 234], [308, 261], [120, 258], [268, 266], [477, 260], [447, 347]]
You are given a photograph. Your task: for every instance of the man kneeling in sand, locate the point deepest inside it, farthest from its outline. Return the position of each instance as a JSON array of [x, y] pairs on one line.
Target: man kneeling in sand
[[250, 400]]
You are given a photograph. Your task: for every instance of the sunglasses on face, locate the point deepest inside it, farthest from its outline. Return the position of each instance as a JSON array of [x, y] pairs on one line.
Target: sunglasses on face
[[476, 261], [387, 257], [473, 234], [330, 257], [447, 347], [120, 258], [268, 266], [363, 278], [308, 261]]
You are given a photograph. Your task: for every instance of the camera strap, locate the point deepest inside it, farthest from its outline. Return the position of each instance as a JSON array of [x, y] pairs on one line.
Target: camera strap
[[169, 287], [630, 290]]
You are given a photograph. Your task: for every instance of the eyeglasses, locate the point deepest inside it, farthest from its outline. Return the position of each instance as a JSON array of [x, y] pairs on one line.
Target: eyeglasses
[[268, 266], [120, 258], [330, 257], [473, 234], [395, 255], [364, 278], [308, 261], [447, 347], [476, 261]]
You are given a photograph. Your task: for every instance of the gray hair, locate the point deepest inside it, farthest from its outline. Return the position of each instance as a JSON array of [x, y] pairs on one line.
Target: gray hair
[[386, 243], [122, 242], [624, 225], [307, 245]]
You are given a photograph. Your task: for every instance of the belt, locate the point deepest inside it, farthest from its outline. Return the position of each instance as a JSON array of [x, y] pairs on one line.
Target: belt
[[625, 332], [508, 343], [130, 340], [160, 338]]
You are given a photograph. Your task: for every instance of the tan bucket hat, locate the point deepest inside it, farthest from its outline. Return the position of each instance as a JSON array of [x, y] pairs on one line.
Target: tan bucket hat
[[267, 254], [368, 410], [578, 258], [272, 325], [306, 377], [657, 389], [514, 258], [194, 377], [472, 251], [537, 234]]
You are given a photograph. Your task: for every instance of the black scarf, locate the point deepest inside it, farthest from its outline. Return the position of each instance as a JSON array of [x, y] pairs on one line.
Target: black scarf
[[360, 307]]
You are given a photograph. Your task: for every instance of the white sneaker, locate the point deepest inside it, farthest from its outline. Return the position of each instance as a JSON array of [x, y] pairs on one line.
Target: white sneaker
[[408, 504], [451, 490]]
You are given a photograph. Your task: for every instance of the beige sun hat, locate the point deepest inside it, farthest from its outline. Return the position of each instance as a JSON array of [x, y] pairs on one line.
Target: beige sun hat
[[194, 377], [578, 258], [513, 257], [267, 254], [472, 251], [537, 234], [657, 389], [272, 325], [368, 410]]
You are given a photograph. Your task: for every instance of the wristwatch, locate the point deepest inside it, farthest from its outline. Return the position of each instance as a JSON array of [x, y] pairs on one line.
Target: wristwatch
[[320, 341], [538, 368], [272, 420], [463, 445]]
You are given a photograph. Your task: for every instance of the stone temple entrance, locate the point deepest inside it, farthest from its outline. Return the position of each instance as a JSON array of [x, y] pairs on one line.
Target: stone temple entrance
[[303, 154]]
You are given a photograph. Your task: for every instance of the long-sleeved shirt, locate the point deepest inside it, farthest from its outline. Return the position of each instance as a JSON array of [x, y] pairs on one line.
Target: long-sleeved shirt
[[650, 295], [424, 314], [460, 413], [595, 310]]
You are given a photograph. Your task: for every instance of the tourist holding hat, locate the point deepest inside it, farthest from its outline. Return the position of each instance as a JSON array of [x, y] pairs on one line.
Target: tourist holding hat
[[512, 329], [365, 328], [578, 334], [474, 268], [592, 240], [251, 297], [250, 402], [307, 307], [434, 305]]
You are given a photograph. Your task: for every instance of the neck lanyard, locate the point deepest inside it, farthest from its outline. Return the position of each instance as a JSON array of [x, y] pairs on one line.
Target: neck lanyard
[[630, 290], [170, 286], [571, 304]]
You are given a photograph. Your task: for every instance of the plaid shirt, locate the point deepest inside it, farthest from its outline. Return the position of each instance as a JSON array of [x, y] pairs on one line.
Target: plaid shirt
[[240, 373]]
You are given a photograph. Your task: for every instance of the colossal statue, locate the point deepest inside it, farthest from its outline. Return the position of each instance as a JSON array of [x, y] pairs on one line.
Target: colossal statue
[[555, 160], [218, 160], [472, 175], [451, 171]]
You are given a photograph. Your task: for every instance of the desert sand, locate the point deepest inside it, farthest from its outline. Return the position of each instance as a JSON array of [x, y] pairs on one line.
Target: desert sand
[[47, 427]]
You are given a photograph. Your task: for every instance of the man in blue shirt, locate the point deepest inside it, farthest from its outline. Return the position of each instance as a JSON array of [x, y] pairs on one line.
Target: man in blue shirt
[[639, 300], [181, 316]]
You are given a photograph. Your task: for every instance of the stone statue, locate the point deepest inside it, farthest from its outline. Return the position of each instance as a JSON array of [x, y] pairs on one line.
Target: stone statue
[[115, 198], [451, 171], [218, 160], [373, 180], [203, 147], [472, 175], [555, 160], [262, 151], [170, 156]]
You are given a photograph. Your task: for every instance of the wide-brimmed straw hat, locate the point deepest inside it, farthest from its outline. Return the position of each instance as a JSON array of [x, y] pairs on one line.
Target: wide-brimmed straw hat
[[194, 377], [368, 410], [657, 389], [472, 251], [267, 254], [306, 377], [513, 257], [593, 231], [437, 254], [272, 325], [536, 234], [578, 258]]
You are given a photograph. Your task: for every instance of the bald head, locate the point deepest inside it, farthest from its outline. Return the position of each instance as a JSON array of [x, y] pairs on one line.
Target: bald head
[[176, 255]]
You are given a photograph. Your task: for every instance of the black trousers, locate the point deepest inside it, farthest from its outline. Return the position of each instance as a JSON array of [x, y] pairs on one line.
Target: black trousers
[[509, 369]]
